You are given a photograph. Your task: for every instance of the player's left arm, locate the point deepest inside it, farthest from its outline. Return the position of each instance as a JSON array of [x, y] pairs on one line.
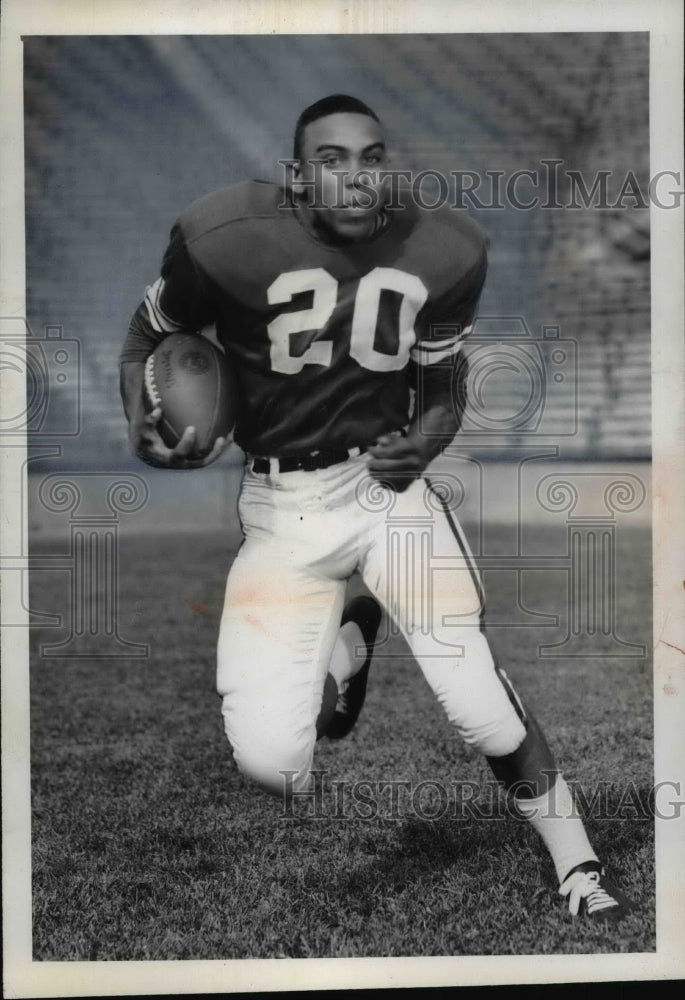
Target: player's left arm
[[439, 371], [440, 402]]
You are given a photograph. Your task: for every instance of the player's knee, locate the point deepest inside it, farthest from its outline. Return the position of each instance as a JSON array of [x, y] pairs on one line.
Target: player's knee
[[278, 761], [280, 779], [485, 719], [480, 705], [496, 736]]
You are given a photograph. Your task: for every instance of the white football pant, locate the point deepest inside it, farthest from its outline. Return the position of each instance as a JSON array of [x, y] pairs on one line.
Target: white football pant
[[305, 534]]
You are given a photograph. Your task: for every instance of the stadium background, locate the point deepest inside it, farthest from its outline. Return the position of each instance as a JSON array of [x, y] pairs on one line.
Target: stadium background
[[120, 134]]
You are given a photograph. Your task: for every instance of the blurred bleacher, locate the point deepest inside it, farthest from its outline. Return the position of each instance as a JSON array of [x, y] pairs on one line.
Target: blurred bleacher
[[122, 132]]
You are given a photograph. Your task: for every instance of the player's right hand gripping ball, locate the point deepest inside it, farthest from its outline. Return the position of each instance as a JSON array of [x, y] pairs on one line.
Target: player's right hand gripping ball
[[189, 379]]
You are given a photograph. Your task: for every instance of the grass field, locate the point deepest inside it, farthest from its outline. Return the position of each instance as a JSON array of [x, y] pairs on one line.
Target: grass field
[[148, 844]]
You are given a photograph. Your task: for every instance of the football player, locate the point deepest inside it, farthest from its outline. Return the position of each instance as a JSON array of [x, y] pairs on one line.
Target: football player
[[334, 297]]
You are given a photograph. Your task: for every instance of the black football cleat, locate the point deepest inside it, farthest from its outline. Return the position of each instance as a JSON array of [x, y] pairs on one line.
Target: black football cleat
[[591, 893], [366, 613]]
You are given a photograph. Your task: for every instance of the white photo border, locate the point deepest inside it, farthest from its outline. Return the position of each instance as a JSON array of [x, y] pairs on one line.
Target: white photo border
[[663, 19]]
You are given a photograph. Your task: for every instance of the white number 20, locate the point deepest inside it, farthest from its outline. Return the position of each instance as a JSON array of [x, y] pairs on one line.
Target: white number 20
[[364, 320]]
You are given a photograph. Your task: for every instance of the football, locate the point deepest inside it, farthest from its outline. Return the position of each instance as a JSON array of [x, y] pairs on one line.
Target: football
[[190, 380]]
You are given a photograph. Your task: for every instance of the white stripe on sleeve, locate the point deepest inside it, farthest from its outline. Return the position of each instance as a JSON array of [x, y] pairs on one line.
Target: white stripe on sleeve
[[158, 318], [430, 352]]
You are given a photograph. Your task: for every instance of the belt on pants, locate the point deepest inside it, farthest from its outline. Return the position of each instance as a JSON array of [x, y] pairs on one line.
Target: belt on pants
[[306, 463]]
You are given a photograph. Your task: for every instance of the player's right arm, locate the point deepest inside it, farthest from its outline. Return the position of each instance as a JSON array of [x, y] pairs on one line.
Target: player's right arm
[[177, 302], [144, 438]]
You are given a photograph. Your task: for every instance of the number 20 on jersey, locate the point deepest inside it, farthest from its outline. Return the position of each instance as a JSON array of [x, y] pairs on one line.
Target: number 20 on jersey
[[324, 288]]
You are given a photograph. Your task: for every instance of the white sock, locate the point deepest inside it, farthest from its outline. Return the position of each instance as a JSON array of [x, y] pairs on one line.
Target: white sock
[[556, 819], [344, 663]]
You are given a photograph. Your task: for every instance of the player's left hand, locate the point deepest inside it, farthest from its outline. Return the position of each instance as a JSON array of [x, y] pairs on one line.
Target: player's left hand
[[398, 461]]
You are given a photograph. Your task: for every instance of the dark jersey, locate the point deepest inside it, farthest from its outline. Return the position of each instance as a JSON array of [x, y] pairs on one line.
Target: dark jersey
[[322, 338]]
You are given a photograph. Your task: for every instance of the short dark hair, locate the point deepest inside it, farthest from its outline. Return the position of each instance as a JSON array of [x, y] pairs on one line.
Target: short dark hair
[[332, 105]]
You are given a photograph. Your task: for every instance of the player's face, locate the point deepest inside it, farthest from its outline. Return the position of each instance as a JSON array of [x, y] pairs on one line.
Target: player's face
[[338, 173]]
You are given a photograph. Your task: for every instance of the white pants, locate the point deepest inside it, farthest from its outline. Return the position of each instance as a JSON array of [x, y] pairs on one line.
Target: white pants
[[305, 534]]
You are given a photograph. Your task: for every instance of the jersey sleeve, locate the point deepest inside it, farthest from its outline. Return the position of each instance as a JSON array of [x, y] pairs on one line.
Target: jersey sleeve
[[179, 301], [449, 319]]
